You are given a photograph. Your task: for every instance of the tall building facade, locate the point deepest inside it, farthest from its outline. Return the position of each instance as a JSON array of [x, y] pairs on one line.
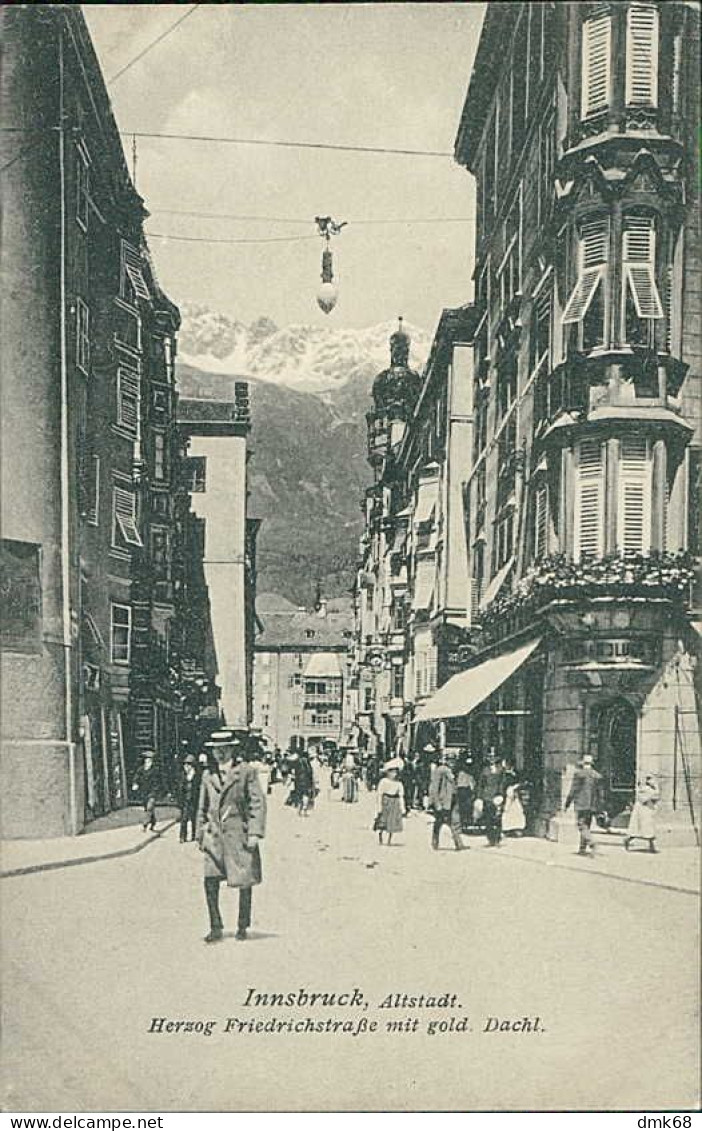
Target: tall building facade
[[92, 511], [215, 421], [579, 459]]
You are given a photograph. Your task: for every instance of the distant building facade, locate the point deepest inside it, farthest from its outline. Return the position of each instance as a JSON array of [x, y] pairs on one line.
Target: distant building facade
[[580, 452], [216, 421], [300, 672]]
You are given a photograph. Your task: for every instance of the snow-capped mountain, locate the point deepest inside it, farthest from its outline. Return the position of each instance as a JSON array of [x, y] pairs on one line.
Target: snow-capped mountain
[[308, 359]]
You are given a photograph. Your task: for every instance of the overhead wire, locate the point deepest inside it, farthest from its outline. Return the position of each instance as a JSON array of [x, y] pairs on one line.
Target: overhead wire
[[277, 142], [150, 46], [219, 239], [306, 222]]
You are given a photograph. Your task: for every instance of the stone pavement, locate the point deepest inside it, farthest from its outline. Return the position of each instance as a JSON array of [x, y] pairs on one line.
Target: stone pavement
[[117, 834], [93, 955]]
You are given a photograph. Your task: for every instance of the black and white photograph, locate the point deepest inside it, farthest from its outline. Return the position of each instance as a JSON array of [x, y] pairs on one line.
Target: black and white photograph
[[351, 558]]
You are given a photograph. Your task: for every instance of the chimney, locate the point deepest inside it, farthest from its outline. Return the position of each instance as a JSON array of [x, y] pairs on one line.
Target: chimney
[[322, 607]]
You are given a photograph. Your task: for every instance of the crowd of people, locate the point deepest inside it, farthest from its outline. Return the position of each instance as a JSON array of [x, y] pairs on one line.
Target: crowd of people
[[222, 800]]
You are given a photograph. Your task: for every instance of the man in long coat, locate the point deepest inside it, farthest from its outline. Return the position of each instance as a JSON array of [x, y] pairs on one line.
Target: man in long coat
[[231, 821], [443, 800], [585, 796], [491, 791]]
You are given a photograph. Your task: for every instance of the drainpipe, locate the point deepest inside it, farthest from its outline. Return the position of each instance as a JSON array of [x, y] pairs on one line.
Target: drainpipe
[[64, 469]]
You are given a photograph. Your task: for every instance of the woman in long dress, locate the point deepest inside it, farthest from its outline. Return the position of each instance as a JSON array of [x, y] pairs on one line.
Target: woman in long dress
[[349, 789], [391, 800], [642, 823], [513, 816]]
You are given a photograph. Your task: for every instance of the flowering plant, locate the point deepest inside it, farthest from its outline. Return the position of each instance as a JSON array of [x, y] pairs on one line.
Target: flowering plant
[[658, 574]]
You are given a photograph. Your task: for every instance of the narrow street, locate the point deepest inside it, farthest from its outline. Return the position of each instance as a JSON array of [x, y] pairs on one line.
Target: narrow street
[[601, 963]]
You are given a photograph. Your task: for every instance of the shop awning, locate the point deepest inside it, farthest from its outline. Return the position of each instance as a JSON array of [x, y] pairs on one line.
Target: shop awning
[[467, 690]]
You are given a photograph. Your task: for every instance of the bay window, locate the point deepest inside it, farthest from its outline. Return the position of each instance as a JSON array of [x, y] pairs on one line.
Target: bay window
[[642, 55], [586, 305], [596, 70], [589, 500]]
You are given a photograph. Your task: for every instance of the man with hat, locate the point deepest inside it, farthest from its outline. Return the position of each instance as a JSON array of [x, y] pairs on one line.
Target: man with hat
[[585, 795], [491, 792], [231, 821], [146, 783], [443, 800], [188, 797]]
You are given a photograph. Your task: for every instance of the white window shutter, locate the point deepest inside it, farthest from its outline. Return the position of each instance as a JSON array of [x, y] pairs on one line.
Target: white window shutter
[[639, 253], [642, 55], [582, 295], [540, 522], [634, 510], [589, 500], [596, 64]]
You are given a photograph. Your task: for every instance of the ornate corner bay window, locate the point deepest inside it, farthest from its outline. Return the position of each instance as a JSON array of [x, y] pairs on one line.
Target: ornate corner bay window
[[614, 474], [597, 317]]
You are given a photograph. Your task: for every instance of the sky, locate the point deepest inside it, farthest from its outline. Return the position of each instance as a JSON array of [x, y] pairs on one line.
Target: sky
[[377, 74]]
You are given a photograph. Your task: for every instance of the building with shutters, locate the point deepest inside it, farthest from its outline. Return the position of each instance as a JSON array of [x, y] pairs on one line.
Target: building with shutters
[[582, 495], [412, 591], [301, 692], [93, 517], [563, 407]]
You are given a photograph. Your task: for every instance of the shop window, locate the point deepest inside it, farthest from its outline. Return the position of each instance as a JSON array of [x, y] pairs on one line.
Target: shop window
[[128, 400], [124, 527], [642, 55], [589, 499], [596, 81], [634, 502], [82, 335], [641, 301], [586, 306], [120, 633]]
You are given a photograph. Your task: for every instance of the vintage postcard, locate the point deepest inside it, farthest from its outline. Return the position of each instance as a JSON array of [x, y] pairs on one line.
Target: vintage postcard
[[350, 595]]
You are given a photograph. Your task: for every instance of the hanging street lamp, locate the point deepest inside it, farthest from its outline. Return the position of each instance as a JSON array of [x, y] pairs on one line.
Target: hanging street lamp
[[328, 292]]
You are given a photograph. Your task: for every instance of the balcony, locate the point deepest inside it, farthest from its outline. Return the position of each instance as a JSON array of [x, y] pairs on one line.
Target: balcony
[[662, 576]]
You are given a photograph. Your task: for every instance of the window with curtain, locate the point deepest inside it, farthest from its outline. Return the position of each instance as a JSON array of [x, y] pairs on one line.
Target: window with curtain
[[589, 500], [642, 55], [596, 72], [634, 500], [585, 307]]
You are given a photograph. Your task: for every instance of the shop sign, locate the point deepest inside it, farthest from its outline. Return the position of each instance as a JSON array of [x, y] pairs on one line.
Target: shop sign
[[644, 649]]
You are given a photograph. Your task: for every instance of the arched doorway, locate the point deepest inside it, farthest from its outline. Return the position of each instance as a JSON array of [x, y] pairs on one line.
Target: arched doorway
[[617, 748]]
